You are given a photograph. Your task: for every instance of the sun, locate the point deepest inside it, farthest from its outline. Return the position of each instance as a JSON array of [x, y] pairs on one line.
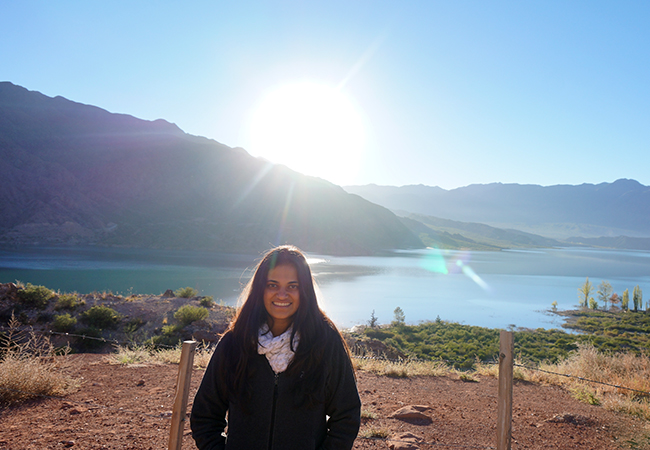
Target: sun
[[311, 128]]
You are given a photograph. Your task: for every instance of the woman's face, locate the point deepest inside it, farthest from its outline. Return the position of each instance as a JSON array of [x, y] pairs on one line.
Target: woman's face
[[282, 297]]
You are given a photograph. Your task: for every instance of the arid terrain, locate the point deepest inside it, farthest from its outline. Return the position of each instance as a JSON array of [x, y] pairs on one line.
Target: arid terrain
[[129, 407]]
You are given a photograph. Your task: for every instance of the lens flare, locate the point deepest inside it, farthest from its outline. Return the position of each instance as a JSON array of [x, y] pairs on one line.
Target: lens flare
[[467, 270], [435, 262]]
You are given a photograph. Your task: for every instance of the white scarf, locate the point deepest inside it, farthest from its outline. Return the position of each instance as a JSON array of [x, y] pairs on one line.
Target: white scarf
[[276, 349]]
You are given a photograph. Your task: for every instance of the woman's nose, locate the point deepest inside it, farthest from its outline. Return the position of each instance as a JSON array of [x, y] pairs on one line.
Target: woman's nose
[[282, 293]]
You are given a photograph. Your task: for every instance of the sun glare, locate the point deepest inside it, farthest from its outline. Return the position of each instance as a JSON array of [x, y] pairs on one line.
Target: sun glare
[[311, 128]]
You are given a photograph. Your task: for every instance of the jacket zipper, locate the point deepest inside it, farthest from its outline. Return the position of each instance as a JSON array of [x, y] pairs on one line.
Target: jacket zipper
[[275, 398]]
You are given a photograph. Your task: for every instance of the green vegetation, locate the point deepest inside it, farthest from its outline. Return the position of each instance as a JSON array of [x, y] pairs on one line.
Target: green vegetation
[[35, 296], [463, 345], [187, 314], [605, 292], [372, 323], [400, 317], [208, 301], [64, 323], [584, 293], [186, 292], [637, 298], [100, 317], [614, 331], [625, 301], [67, 301], [133, 325]]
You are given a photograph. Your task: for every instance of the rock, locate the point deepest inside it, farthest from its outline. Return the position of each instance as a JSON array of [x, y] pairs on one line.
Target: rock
[[574, 419], [140, 383], [404, 441], [67, 443], [412, 413], [77, 410], [168, 293]]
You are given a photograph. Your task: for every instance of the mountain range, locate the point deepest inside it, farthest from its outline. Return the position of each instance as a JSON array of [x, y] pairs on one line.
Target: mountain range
[[607, 214], [76, 174]]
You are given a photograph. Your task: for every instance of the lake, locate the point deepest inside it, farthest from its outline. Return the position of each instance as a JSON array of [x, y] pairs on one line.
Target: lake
[[496, 289]]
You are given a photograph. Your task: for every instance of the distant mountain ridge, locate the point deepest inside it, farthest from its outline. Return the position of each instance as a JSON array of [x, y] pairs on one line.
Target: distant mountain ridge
[[76, 174], [558, 212]]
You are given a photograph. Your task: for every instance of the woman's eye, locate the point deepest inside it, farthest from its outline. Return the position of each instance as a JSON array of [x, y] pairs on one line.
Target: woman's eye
[[293, 286]]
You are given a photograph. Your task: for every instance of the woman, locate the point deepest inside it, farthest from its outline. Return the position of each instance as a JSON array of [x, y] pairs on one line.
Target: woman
[[281, 372]]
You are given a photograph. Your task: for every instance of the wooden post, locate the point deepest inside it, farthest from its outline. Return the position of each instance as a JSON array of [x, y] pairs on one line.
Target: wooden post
[[504, 404], [182, 395]]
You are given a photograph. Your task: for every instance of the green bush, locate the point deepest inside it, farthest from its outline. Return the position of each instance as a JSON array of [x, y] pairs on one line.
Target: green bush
[[66, 301], [133, 325], [64, 323], [35, 296], [376, 333], [208, 301], [187, 314], [171, 330], [186, 292], [100, 317]]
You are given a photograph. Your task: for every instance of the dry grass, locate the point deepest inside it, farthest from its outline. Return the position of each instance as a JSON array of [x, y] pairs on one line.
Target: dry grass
[[374, 433], [402, 369], [149, 355], [621, 369], [28, 368]]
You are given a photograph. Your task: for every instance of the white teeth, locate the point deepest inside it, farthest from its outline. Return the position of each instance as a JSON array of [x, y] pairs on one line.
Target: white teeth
[[281, 304]]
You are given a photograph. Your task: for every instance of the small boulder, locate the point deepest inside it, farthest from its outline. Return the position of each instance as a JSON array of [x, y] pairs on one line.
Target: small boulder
[[404, 441], [412, 413], [168, 294]]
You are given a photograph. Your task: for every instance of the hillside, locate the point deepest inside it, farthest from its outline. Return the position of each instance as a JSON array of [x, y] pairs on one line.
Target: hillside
[[613, 209], [76, 174]]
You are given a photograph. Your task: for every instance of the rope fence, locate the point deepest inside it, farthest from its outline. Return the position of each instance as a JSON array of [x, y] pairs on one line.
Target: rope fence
[[491, 362], [149, 344], [178, 414]]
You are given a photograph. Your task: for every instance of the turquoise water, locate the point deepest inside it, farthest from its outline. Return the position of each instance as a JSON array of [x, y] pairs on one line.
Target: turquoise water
[[492, 289]]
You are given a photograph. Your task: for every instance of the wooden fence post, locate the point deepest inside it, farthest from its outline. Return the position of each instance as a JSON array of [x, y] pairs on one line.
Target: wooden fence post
[[504, 403], [182, 395]]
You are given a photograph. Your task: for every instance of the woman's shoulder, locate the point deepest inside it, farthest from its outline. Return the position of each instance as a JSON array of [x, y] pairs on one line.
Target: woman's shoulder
[[225, 342], [334, 340]]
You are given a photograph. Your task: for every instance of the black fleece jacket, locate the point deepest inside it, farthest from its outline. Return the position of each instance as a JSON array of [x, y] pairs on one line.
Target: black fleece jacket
[[270, 420]]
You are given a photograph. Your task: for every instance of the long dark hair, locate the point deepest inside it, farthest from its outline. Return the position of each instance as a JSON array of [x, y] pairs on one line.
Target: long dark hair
[[309, 322]]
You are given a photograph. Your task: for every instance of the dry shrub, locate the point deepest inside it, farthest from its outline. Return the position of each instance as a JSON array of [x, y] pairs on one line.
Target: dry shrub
[[28, 367], [621, 369]]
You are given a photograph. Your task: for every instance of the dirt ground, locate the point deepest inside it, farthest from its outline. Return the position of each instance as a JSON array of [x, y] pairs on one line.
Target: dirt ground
[[120, 407]]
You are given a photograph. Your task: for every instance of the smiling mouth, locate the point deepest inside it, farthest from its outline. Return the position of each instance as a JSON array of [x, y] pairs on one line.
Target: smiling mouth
[[281, 304]]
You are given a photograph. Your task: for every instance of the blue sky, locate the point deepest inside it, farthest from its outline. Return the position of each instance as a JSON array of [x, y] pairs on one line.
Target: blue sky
[[450, 93]]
